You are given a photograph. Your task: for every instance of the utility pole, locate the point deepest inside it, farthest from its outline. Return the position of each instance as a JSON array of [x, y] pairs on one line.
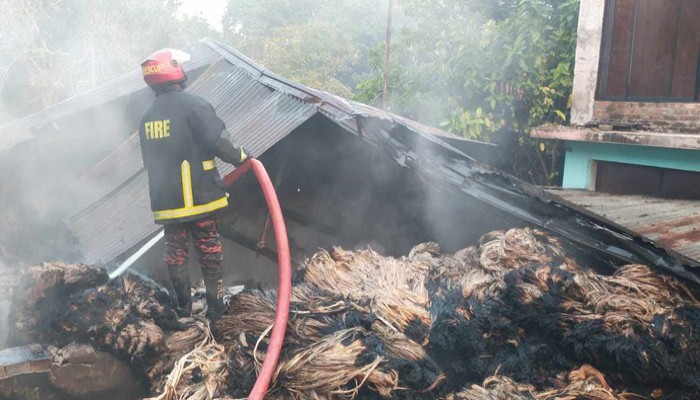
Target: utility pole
[[387, 55]]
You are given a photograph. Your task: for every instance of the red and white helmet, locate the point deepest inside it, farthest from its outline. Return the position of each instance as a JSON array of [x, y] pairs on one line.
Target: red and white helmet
[[164, 66]]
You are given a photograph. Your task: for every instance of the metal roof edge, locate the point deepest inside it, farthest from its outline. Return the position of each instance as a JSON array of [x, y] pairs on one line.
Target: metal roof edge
[[344, 109], [566, 200], [269, 78], [550, 197], [584, 229]]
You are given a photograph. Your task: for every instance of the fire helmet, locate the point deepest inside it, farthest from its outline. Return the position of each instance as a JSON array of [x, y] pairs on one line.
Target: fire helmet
[[164, 67]]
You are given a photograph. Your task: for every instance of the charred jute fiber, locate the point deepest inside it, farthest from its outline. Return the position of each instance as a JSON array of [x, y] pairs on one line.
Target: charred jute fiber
[[529, 311], [200, 373], [634, 325], [335, 348], [395, 288], [471, 322], [515, 316], [516, 306], [129, 317], [585, 383]]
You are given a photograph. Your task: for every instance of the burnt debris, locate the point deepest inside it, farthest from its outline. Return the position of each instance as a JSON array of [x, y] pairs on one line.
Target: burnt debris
[[517, 316]]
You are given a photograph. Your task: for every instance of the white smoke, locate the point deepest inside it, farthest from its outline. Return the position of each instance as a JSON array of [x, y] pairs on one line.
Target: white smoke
[[5, 298]]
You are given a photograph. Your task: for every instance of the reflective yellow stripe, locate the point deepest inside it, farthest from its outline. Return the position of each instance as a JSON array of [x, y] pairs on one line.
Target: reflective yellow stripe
[[186, 173], [208, 165], [191, 211], [189, 208]]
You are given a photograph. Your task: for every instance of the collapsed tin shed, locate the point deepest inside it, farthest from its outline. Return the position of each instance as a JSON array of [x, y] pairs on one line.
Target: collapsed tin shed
[[346, 173]]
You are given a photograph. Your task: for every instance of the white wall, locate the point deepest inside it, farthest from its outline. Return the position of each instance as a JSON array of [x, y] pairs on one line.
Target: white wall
[[590, 36]]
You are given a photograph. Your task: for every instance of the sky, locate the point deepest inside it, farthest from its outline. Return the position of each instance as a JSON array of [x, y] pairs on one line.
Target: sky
[[211, 10]]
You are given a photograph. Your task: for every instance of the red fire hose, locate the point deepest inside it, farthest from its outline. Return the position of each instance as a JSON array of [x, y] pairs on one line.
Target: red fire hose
[[284, 271]]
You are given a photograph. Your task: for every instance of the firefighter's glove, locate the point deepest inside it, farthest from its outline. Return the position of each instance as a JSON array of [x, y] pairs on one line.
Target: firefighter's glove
[[229, 151]]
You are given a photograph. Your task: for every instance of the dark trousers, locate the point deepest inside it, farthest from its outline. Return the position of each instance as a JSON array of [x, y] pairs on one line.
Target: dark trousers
[[207, 242]]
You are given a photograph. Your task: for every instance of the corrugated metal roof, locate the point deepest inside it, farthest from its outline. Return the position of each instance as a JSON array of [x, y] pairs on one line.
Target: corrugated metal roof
[[110, 206], [110, 174], [258, 115], [121, 220], [671, 223], [16, 131]]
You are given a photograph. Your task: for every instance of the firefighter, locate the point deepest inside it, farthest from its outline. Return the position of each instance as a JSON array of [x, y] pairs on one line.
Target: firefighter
[[180, 136]]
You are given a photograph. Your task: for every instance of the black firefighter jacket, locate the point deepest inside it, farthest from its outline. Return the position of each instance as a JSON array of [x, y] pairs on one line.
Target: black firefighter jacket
[[180, 136]]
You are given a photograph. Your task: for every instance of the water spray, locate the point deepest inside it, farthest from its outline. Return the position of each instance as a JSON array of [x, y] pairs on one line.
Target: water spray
[[134, 257]]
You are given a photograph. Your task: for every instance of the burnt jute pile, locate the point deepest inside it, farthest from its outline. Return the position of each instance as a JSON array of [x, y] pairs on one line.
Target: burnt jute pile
[[514, 317], [129, 317]]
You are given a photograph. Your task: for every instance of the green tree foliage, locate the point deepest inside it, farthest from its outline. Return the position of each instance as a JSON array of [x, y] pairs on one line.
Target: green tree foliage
[[319, 43], [431, 59], [483, 68], [50, 50]]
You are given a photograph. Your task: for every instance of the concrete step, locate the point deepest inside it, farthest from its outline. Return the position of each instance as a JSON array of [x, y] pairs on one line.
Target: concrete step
[[24, 360]]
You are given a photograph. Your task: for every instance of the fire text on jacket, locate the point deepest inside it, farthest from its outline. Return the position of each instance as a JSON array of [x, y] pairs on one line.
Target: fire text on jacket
[[157, 129]]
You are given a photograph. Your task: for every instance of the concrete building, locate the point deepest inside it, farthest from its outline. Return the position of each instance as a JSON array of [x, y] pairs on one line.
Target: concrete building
[[634, 141], [635, 118]]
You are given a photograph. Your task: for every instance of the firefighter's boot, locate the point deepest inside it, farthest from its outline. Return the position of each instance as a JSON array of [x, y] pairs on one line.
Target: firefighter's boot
[[214, 283], [180, 278]]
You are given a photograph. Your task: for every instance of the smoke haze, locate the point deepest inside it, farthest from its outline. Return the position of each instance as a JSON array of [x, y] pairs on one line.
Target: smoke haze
[[7, 281]]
